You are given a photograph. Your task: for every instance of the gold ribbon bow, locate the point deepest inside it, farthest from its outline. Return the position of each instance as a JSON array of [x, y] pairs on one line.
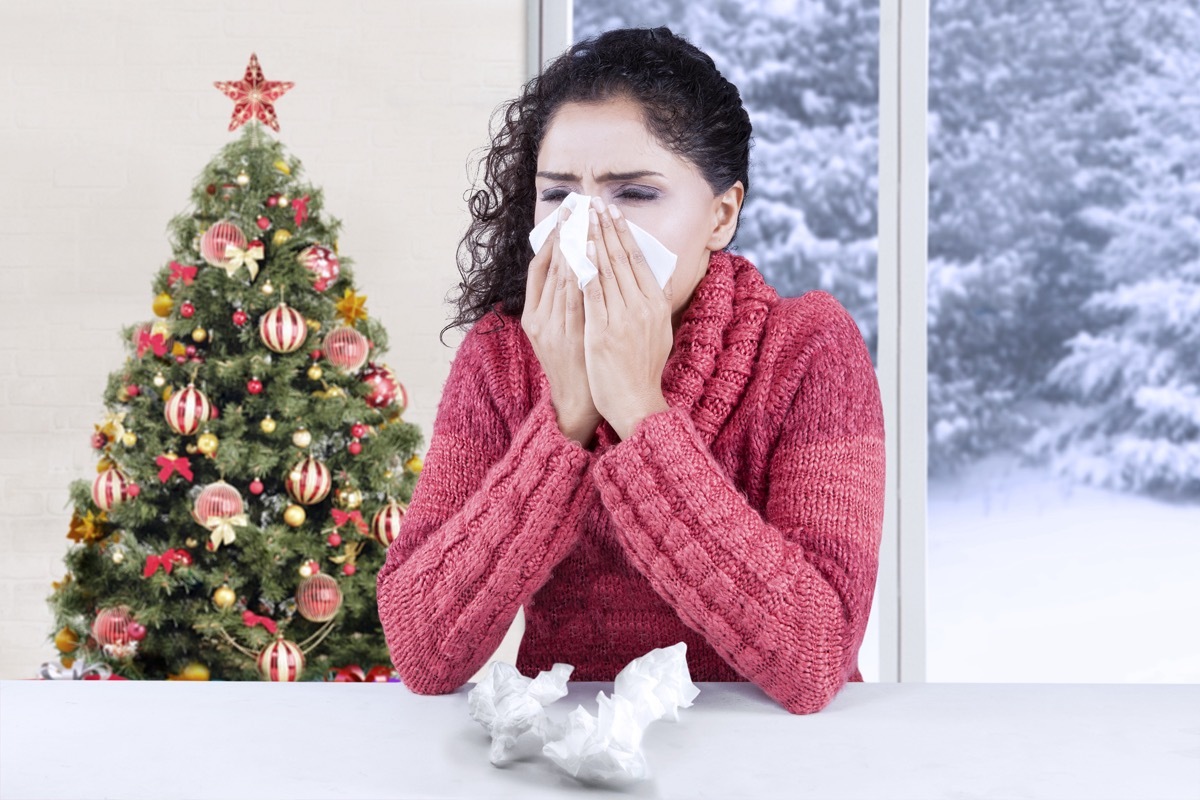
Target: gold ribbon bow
[[236, 257], [222, 528]]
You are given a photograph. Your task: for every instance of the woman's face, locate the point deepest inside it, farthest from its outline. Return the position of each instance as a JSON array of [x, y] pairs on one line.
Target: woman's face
[[604, 149]]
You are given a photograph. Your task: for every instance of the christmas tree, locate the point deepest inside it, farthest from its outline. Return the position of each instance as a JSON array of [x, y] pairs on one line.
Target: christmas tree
[[253, 465]]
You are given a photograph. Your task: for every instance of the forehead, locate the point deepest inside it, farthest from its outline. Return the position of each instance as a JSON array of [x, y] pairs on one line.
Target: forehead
[[582, 134]]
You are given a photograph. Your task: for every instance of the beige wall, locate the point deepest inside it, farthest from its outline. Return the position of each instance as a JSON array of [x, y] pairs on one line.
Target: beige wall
[[107, 114]]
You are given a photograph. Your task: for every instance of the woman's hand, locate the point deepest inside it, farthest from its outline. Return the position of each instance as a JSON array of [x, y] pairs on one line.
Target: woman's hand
[[553, 321], [627, 326]]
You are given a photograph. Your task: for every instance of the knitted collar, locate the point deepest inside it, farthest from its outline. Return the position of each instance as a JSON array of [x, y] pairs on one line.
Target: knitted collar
[[716, 346]]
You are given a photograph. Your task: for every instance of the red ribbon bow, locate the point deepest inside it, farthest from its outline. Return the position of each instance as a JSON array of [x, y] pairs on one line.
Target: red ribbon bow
[[181, 273], [340, 518], [157, 343], [252, 619], [167, 560], [354, 674], [301, 206], [169, 465]]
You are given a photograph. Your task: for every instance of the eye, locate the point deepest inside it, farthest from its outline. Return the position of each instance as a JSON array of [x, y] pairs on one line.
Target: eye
[[551, 195], [634, 193]]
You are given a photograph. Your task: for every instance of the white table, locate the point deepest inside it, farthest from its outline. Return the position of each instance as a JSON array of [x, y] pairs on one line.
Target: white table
[[83, 739]]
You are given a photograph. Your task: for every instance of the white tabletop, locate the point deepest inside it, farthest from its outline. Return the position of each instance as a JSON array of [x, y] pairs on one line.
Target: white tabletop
[[127, 739]]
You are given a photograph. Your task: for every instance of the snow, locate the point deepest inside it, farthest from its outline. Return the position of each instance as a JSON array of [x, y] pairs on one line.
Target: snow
[[1035, 579]]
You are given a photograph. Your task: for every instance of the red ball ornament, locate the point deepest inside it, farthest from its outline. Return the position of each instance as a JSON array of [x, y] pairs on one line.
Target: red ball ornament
[[263, 223], [273, 200], [281, 660], [254, 386], [186, 410], [346, 348], [134, 490], [180, 359], [217, 238], [349, 569], [136, 631], [190, 349], [132, 390], [358, 430], [256, 486], [111, 626], [318, 598], [283, 329], [217, 501], [355, 447], [334, 539], [383, 385], [240, 318], [385, 525], [99, 440], [110, 488], [210, 545], [315, 355], [309, 481], [211, 188], [322, 263], [187, 310], [214, 413]]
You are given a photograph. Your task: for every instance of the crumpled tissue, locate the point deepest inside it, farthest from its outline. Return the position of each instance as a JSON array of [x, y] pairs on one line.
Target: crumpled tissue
[[601, 749], [573, 241], [507, 705]]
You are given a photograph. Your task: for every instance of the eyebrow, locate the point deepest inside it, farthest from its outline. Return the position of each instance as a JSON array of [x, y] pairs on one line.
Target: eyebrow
[[605, 178]]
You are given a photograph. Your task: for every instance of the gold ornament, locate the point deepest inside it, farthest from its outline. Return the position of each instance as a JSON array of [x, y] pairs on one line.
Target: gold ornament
[[129, 439], [282, 166], [191, 449], [194, 671], [167, 391], [104, 463], [207, 443], [242, 178], [281, 236], [388, 474], [122, 395], [415, 464], [294, 515], [348, 498], [224, 597], [306, 570], [267, 425], [335, 247], [352, 307], [159, 380], [284, 202], [66, 640], [118, 557], [162, 305], [314, 324], [87, 529], [190, 542], [267, 288], [302, 438], [199, 335], [315, 373]]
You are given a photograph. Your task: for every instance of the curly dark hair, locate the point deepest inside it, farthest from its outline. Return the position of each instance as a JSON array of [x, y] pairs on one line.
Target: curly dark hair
[[688, 106]]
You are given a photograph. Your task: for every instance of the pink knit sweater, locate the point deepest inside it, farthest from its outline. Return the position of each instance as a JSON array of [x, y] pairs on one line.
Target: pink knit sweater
[[745, 520]]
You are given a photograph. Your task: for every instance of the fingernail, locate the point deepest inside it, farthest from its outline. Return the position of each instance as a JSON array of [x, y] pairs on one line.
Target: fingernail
[[591, 249], [598, 203], [616, 212], [592, 216]]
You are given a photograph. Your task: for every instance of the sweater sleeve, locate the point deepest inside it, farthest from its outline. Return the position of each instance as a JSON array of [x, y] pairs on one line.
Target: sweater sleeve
[[488, 520], [783, 597]]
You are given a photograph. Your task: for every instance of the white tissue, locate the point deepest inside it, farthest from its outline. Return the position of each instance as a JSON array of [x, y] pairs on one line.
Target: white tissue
[[573, 241], [606, 748], [507, 705]]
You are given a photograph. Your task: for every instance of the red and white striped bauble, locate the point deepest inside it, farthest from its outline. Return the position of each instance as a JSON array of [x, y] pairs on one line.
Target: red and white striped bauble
[[318, 598], [283, 329], [110, 488], [215, 240], [218, 500], [346, 348], [111, 626], [309, 481], [322, 263], [187, 410], [385, 525], [281, 660]]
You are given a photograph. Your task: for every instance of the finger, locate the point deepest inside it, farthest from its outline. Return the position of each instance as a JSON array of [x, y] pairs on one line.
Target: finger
[[535, 279], [552, 269], [598, 255], [618, 258], [595, 309], [640, 268], [574, 307]]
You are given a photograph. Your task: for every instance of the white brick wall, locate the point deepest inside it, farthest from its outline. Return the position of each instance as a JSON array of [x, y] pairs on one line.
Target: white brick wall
[[107, 114]]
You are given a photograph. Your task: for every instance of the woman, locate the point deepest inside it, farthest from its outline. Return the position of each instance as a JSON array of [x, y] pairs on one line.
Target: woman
[[639, 466]]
